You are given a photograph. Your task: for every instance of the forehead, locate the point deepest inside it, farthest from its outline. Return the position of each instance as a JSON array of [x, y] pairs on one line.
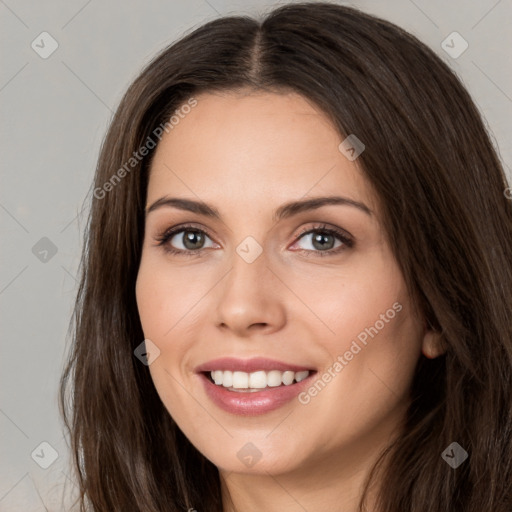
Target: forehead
[[254, 146]]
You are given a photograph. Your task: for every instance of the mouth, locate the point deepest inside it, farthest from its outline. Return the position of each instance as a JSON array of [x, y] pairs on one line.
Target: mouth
[[252, 387]]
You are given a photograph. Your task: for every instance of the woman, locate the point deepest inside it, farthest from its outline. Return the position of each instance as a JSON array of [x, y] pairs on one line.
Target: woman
[[295, 288]]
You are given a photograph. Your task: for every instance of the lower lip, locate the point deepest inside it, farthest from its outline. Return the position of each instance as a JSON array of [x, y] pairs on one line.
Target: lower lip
[[254, 402]]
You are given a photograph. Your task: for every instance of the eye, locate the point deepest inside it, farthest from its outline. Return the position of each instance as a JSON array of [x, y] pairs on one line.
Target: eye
[[322, 240], [189, 242]]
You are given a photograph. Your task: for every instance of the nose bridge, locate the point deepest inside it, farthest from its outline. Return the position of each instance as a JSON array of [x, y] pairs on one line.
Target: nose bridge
[[249, 274], [249, 264], [248, 294]]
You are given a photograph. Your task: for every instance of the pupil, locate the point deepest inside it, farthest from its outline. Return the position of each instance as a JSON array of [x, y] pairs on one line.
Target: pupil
[[194, 237], [317, 239]]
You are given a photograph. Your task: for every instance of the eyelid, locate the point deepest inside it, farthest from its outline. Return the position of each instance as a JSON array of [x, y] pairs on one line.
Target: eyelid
[[322, 226]]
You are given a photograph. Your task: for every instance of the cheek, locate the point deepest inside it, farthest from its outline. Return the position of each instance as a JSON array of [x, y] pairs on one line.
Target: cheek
[[163, 297], [373, 334], [379, 360], [169, 303], [161, 305], [352, 299], [151, 307], [364, 387]]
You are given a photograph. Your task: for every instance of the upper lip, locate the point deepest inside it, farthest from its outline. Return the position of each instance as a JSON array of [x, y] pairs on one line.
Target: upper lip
[[248, 365]]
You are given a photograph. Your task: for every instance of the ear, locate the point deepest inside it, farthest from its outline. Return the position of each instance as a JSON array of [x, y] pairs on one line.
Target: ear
[[432, 346]]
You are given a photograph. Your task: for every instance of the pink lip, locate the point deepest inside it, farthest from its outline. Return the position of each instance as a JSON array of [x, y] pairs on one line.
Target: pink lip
[[248, 365], [252, 403], [255, 402]]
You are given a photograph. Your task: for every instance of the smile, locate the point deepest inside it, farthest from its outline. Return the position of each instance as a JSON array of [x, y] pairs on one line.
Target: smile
[[249, 387]]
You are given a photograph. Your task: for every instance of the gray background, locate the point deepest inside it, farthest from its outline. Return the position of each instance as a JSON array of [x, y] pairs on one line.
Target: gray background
[[54, 113]]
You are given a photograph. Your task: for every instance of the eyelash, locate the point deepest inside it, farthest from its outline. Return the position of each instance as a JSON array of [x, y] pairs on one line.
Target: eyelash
[[163, 238]]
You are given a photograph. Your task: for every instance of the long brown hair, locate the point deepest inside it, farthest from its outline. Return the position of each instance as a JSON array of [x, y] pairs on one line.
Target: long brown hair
[[449, 223]]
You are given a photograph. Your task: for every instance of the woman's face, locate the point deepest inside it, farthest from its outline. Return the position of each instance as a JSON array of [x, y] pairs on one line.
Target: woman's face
[[269, 297]]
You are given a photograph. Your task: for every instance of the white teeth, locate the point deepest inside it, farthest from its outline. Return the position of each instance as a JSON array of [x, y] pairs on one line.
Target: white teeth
[[301, 375], [217, 376], [227, 379], [256, 380], [274, 378], [288, 378], [240, 380]]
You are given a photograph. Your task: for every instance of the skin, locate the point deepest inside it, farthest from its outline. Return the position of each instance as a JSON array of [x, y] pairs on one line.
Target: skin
[[247, 154]]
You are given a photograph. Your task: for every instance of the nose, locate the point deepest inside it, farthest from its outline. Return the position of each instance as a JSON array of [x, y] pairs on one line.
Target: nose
[[251, 298]]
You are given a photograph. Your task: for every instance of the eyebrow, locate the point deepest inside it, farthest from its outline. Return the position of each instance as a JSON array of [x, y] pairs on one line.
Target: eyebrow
[[284, 211]]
